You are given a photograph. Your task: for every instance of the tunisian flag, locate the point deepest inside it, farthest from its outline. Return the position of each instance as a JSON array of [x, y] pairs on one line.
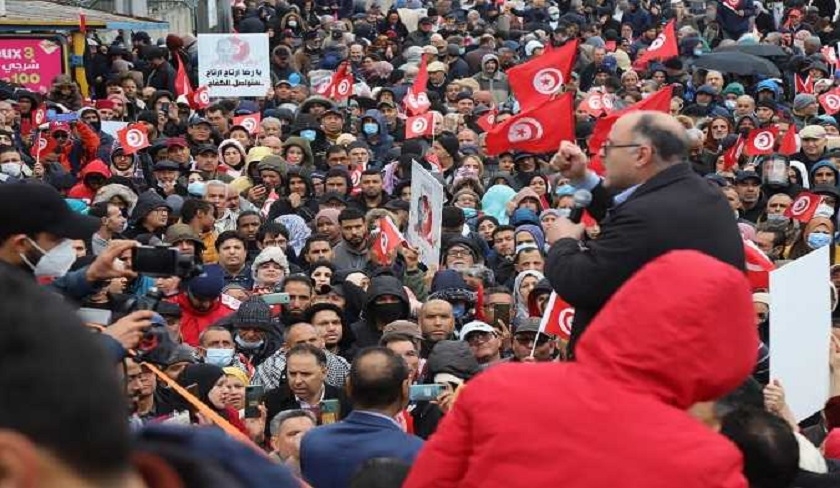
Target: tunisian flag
[[758, 265], [387, 238], [416, 101], [537, 130], [251, 122], [801, 85], [340, 85], [182, 81], [199, 99], [830, 101], [804, 207], [788, 144], [659, 102], [663, 47], [761, 141], [557, 318], [420, 126], [731, 156], [536, 81]]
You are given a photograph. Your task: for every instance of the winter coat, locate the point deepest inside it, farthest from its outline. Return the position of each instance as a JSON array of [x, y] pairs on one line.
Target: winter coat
[[193, 322], [676, 209], [661, 344], [379, 144], [107, 192], [81, 190], [497, 84], [146, 202]]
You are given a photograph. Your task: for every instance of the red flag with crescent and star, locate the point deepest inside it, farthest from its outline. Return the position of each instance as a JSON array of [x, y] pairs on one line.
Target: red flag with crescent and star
[[538, 130], [538, 80]]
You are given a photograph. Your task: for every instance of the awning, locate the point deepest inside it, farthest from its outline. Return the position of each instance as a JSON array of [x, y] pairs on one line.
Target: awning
[[39, 15]]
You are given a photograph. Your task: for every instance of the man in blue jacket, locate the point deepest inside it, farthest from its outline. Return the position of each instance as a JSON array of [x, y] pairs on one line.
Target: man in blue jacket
[[378, 388]]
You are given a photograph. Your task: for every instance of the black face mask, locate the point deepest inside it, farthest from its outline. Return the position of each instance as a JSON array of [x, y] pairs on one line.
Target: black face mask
[[388, 312], [97, 126]]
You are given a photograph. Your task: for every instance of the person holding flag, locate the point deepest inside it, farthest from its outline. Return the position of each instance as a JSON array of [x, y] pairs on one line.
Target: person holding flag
[[651, 193]]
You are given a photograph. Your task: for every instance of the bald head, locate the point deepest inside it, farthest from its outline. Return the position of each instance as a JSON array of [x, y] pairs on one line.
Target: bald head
[[665, 134], [302, 333], [378, 380]]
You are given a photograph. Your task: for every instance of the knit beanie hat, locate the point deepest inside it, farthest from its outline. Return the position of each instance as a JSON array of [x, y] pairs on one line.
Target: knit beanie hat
[[253, 313], [803, 100], [270, 254]]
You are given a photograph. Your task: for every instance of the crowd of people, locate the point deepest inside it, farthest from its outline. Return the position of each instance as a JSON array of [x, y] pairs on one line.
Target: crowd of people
[[297, 334]]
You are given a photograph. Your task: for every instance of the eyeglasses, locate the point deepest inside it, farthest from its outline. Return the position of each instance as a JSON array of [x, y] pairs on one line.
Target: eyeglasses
[[608, 146], [527, 340], [458, 253], [477, 338]]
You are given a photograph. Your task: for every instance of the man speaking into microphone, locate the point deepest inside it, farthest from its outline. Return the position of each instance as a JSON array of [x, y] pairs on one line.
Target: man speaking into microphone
[[648, 203]]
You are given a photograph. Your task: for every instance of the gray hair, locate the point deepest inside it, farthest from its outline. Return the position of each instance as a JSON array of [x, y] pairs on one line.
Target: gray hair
[[216, 183], [270, 121], [694, 134], [279, 419]]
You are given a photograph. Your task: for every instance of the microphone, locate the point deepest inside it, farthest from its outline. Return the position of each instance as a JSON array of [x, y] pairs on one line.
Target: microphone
[[582, 199]]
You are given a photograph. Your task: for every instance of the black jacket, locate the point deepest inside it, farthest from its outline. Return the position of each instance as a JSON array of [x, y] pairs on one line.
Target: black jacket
[[282, 398], [365, 330], [676, 209]]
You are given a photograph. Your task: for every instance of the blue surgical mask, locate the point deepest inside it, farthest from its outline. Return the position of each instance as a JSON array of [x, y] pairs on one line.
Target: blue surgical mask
[[566, 189], [308, 134], [196, 188], [370, 128], [698, 52], [218, 357], [817, 240], [459, 310], [776, 218], [824, 210], [248, 345], [469, 212]]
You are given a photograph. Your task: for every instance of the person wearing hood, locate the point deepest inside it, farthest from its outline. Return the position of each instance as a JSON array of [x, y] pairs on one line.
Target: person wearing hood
[[128, 166], [232, 155], [256, 336], [818, 232], [375, 133], [610, 371], [91, 116], [298, 152], [492, 79], [150, 216], [308, 127], [387, 301], [91, 179], [824, 172], [269, 269], [448, 285], [65, 91], [202, 304], [72, 145], [210, 380]]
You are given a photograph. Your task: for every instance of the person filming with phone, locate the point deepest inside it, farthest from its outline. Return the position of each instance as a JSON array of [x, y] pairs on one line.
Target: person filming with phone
[[648, 203]]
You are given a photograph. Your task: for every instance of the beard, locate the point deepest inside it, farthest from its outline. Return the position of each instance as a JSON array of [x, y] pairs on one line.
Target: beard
[[291, 317]]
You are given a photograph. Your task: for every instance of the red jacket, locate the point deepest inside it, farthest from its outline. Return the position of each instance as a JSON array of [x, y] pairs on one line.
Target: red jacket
[[193, 322], [680, 331], [82, 191]]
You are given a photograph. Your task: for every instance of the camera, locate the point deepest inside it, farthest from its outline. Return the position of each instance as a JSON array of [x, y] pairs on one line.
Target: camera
[[155, 346], [164, 261]]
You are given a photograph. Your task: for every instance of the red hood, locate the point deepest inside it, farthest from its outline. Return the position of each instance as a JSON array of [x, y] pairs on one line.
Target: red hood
[[682, 328], [182, 300], [94, 167]]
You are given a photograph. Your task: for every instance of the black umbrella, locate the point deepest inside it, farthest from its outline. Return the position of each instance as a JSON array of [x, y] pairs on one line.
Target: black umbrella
[[737, 63], [760, 50]]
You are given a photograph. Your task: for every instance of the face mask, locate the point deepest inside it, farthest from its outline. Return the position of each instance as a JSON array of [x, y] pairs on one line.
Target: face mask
[[564, 212], [11, 169], [469, 212], [292, 23], [370, 128], [218, 357], [698, 52], [817, 240], [308, 134], [196, 188], [824, 210], [730, 104], [97, 126], [459, 310], [243, 344], [776, 218], [461, 51], [53, 263], [388, 312], [555, 16], [775, 173], [565, 189]]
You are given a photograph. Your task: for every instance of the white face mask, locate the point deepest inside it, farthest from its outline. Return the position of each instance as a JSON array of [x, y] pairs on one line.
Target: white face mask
[[12, 169], [824, 210], [55, 262]]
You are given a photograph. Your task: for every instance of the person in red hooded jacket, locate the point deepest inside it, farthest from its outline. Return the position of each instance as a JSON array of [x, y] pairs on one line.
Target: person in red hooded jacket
[[617, 416], [71, 145], [91, 179], [202, 304]]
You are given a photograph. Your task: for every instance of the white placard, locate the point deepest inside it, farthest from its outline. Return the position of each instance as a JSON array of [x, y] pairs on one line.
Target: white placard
[[234, 65], [800, 331], [425, 214]]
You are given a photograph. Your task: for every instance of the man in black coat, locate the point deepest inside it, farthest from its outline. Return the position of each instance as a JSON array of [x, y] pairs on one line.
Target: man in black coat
[[650, 202]]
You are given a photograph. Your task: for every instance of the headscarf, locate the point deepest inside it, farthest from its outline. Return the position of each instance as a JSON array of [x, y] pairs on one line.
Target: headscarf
[[494, 202], [238, 374], [535, 232], [519, 301], [204, 376], [298, 230]]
